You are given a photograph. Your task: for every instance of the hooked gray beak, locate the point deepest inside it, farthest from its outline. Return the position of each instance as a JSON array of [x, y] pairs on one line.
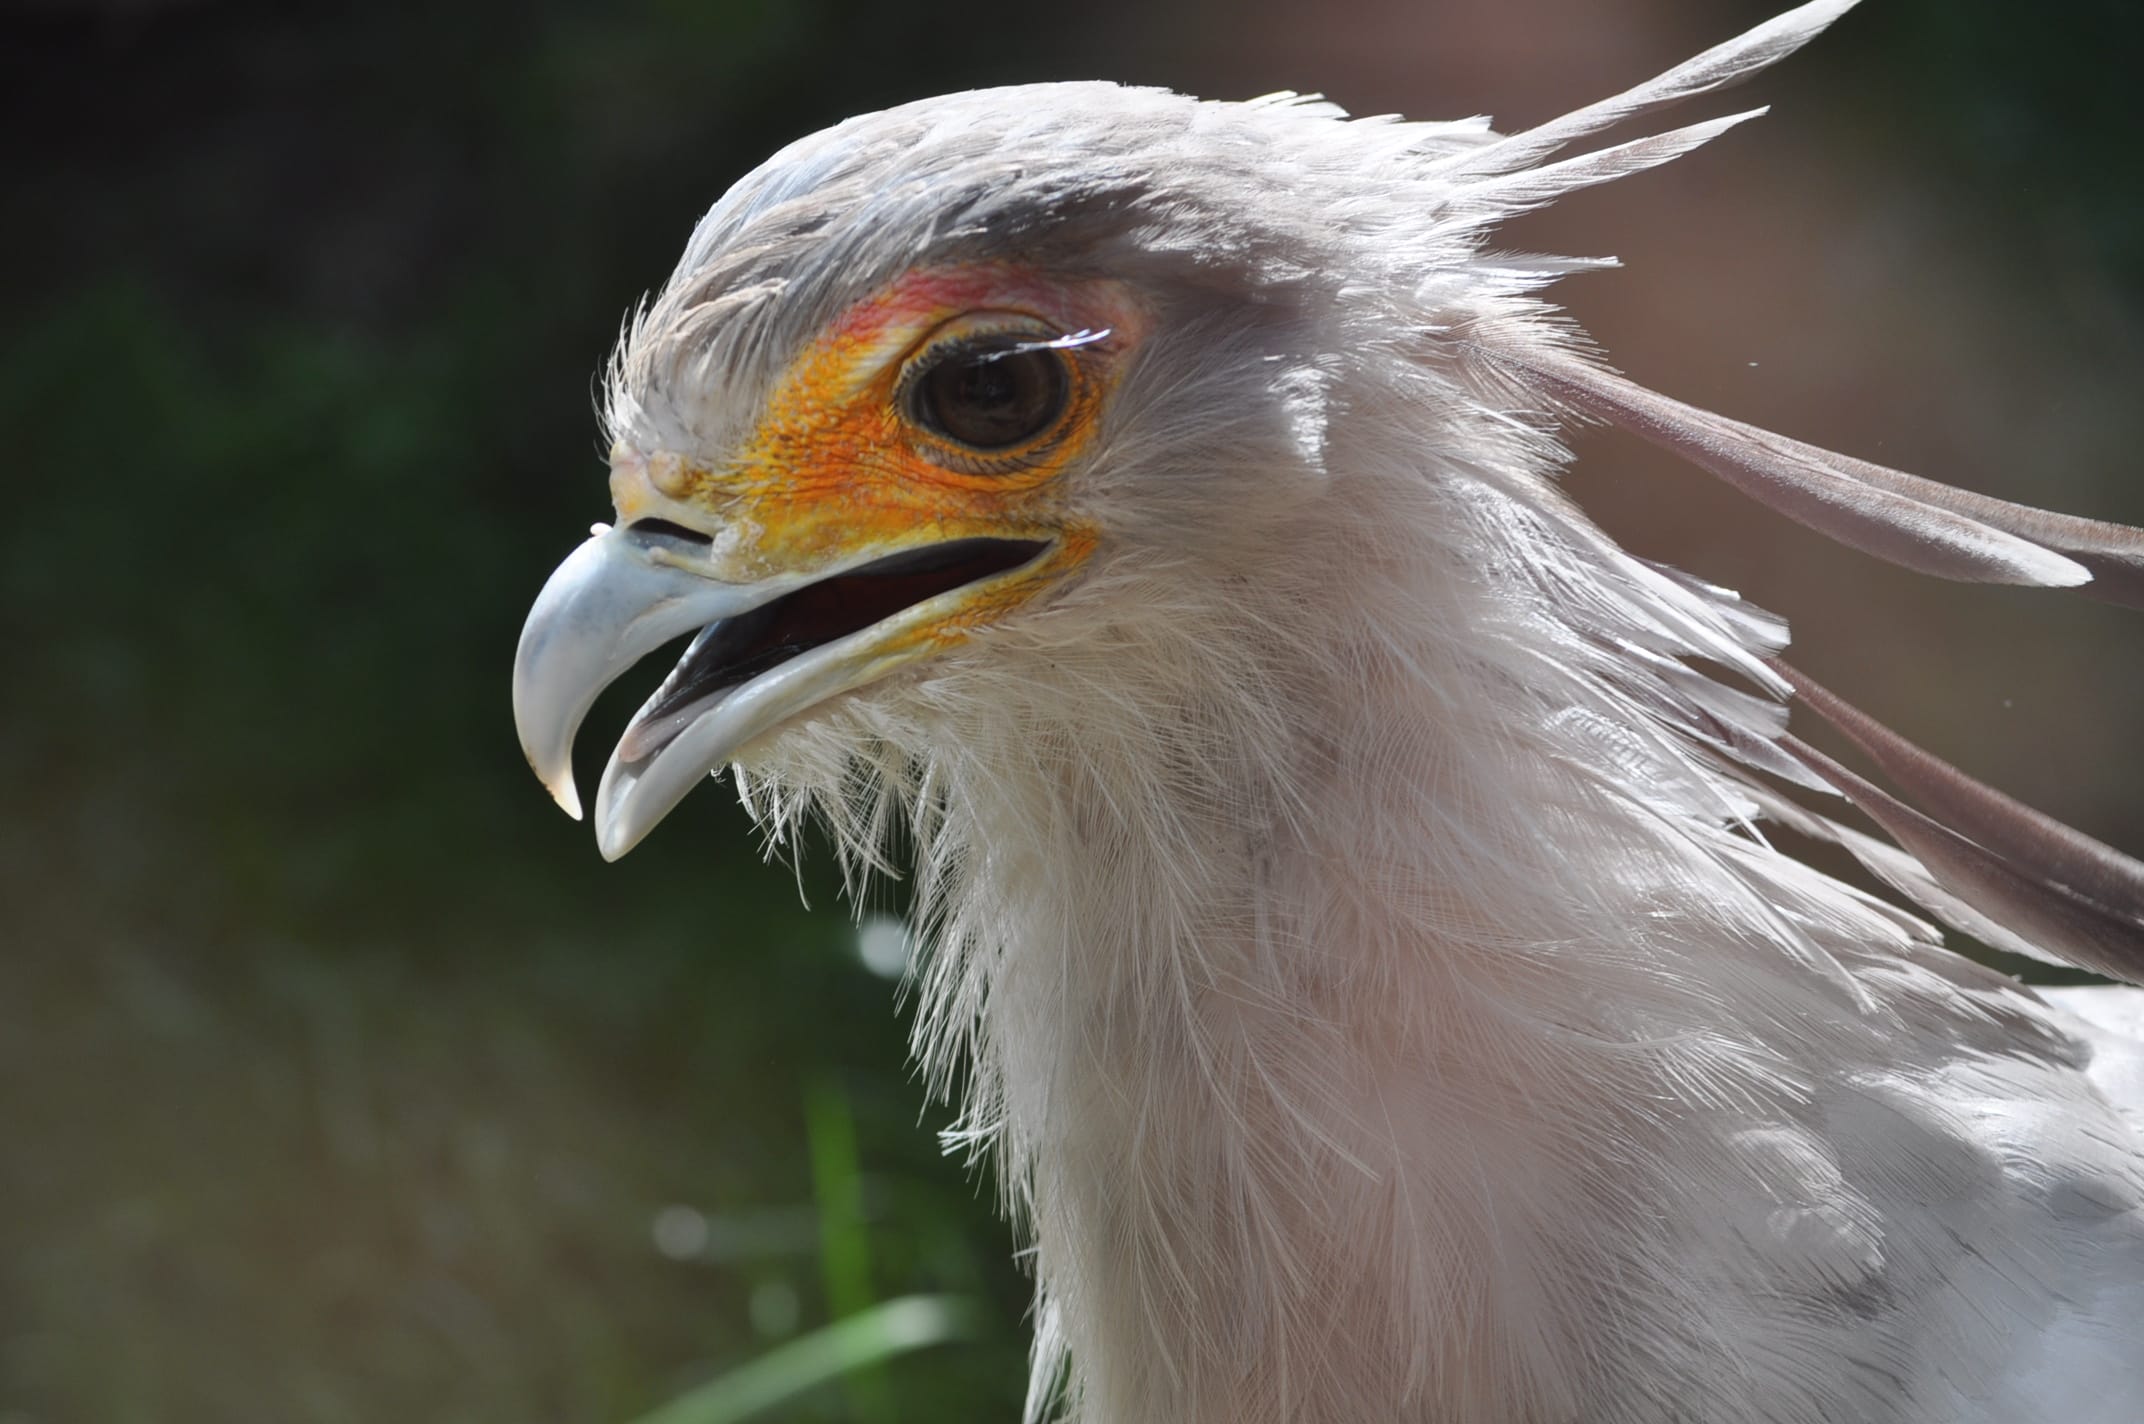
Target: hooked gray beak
[[766, 651], [616, 598]]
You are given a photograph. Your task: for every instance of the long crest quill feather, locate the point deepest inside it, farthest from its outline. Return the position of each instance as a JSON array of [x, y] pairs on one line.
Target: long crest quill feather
[[1900, 521], [2062, 922], [2075, 897], [1717, 68]]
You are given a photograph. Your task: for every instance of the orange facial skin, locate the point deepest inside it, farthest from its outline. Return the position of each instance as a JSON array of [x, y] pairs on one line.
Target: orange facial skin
[[837, 472]]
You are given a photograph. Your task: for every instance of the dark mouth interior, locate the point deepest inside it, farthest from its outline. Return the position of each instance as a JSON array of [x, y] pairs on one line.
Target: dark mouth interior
[[739, 649]]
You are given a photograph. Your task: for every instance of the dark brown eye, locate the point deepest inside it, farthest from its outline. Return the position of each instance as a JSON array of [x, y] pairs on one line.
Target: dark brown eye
[[991, 394]]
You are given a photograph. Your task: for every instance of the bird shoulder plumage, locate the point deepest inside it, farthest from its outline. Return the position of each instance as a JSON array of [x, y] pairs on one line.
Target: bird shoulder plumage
[[1349, 922]]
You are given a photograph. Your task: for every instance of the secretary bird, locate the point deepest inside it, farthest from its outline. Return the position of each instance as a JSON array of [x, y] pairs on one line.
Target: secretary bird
[[1349, 920]]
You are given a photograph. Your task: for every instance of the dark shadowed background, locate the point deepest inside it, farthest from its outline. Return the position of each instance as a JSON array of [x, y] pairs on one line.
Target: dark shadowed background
[[339, 1079]]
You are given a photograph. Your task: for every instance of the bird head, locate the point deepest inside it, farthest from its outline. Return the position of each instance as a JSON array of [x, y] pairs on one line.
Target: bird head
[[932, 391], [1036, 422]]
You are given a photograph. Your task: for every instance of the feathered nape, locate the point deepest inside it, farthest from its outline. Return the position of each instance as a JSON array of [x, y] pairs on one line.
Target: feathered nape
[[1366, 964]]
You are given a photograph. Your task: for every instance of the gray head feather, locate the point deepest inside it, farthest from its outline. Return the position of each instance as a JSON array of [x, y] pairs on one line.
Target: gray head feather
[[1076, 178]]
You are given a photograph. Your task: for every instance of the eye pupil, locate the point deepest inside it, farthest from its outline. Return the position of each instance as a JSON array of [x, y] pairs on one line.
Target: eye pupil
[[992, 396]]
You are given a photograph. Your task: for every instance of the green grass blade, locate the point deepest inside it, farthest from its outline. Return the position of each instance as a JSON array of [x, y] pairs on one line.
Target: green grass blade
[[866, 1339], [844, 1243], [837, 1184]]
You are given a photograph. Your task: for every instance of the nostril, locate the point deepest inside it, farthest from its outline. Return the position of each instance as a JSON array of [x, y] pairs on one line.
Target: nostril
[[663, 528]]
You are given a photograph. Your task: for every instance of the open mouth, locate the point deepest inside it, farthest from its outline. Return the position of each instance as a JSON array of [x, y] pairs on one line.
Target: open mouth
[[767, 651], [735, 650]]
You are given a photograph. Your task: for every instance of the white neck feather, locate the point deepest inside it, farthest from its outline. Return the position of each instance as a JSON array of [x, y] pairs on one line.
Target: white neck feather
[[1320, 978]]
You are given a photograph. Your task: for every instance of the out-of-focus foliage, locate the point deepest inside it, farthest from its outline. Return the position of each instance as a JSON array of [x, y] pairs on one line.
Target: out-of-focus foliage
[[339, 1079]]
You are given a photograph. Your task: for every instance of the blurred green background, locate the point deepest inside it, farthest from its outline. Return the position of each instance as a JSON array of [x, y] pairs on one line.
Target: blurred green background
[[339, 1079]]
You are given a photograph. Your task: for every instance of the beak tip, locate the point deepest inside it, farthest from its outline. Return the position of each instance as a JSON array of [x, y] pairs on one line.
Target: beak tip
[[612, 844], [557, 780], [617, 829]]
